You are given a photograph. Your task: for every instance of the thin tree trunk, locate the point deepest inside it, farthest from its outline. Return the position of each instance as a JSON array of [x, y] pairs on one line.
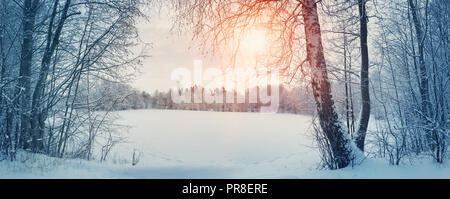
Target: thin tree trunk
[[38, 116], [424, 84], [350, 91], [413, 48], [365, 93], [2, 56], [424, 93], [347, 101]]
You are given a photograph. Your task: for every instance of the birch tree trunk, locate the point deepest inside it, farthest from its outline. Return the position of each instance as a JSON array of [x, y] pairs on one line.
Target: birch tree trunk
[[329, 121], [420, 37]]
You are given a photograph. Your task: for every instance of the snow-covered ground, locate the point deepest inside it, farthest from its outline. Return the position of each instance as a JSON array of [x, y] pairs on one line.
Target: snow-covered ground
[[185, 144]]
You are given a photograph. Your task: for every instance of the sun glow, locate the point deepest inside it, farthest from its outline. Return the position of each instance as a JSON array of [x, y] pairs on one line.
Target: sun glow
[[254, 41]]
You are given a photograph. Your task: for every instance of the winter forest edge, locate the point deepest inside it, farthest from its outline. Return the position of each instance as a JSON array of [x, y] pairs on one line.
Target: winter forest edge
[[373, 76]]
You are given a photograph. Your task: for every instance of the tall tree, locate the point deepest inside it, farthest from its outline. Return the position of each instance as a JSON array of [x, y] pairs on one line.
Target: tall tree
[[365, 93], [29, 10], [218, 21], [37, 113], [58, 59], [423, 74]]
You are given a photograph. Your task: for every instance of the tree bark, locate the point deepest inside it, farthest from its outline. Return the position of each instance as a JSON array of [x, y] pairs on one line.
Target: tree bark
[[24, 88], [427, 112], [329, 121], [38, 114], [365, 93], [420, 37]]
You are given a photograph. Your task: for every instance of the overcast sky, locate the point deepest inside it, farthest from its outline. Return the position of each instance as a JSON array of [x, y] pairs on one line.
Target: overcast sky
[[171, 50]]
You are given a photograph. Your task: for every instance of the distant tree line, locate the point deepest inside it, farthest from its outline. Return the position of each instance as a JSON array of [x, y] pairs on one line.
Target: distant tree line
[[388, 59], [291, 100]]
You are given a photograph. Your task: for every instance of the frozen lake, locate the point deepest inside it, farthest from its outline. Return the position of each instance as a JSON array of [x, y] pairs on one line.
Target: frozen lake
[[220, 144], [192, 145]]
